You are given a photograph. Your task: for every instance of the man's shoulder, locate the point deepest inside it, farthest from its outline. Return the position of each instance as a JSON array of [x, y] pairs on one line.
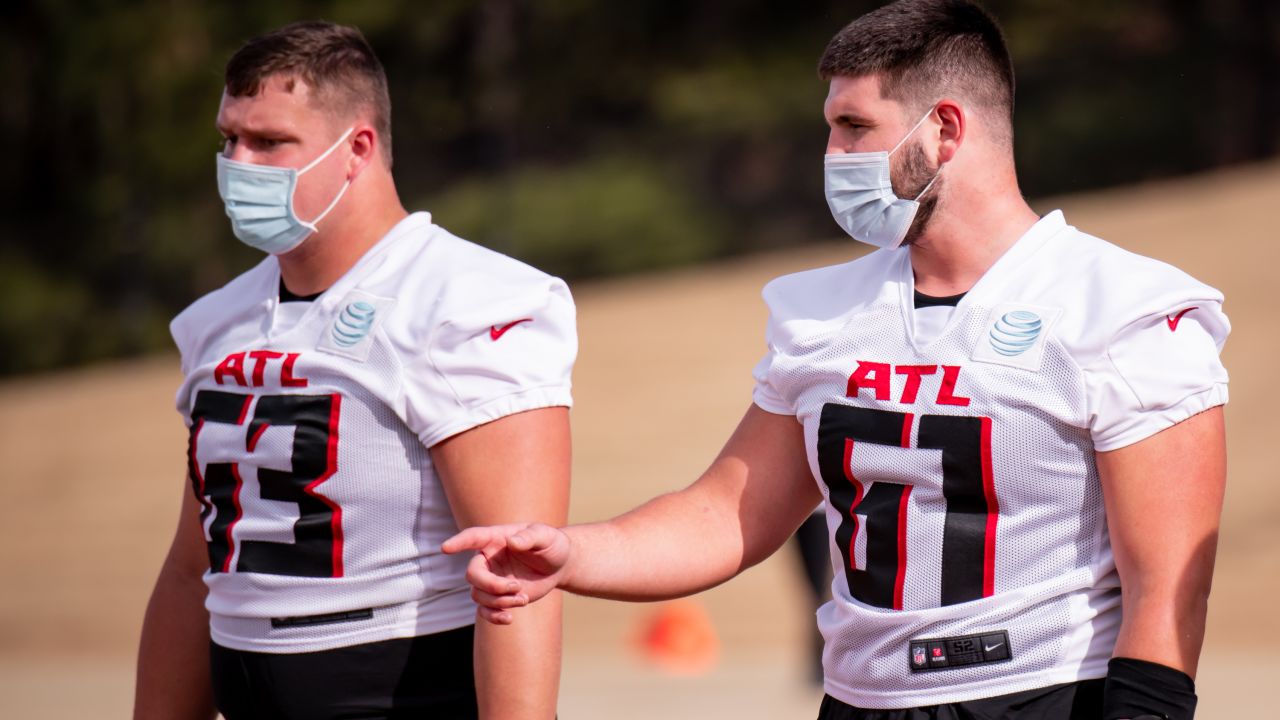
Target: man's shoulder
[[469, 259], [436, 278], [473, 276], [433, 260], [1086, 270], [1100, 289], [1078, 249]]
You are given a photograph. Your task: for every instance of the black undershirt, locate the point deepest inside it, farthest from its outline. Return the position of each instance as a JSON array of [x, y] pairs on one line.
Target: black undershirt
[[287, 296], [924, 301]]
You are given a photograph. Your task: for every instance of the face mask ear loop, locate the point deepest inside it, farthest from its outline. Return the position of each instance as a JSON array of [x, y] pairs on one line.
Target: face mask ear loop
[[911, 131], [926, 187], [312, 225], [325, 154]]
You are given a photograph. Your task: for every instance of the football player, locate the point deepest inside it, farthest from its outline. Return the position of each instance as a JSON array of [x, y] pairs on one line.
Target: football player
[[369, 387], [1016, 427]]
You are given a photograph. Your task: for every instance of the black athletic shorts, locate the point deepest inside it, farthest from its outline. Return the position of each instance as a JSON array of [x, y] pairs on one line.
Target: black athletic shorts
[[1072, 701], [424, 677]]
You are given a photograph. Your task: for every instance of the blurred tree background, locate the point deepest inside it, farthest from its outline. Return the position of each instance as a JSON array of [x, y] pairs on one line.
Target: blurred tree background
[[590, 138]]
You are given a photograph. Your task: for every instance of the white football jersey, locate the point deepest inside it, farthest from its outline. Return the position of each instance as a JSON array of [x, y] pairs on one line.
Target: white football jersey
[[310, 423], [968, 535]]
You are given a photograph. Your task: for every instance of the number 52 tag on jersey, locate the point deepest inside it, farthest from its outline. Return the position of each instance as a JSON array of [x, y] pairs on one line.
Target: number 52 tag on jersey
[[354, 323], [1015, 335]]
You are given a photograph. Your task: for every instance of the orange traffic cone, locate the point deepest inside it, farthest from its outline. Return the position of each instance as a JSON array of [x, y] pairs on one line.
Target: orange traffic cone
[[679, 638]]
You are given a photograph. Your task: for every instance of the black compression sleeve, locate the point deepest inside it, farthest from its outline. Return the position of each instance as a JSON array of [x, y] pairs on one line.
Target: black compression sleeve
[[1136, 687]]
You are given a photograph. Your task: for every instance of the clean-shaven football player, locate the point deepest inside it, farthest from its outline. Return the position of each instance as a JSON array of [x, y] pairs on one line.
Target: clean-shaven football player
[[370, 386], [1016, 427]]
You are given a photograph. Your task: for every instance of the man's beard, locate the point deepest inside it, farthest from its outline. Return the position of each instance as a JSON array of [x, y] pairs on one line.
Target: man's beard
[[909, 180]]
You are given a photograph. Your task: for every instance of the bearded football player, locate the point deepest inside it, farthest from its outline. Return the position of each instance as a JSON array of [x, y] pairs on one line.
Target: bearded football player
[[1016, 427], [371, 385]]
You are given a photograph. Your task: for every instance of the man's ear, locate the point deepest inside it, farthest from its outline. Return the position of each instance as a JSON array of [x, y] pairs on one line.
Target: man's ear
[[364, 149], [951, 130]]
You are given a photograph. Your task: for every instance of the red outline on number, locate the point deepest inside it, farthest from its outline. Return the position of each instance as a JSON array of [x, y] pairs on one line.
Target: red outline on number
[[253, 441], [235, 494], [993, 513], [331, 467], [900, 579], [195, 468], [244, 409], [857, 498], [235, 500]]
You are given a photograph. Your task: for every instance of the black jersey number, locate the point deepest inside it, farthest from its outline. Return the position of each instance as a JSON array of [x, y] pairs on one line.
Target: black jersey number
[[968, 539], [317, 547]]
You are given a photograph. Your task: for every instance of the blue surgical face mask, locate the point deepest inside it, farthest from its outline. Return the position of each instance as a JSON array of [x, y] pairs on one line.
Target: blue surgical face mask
[[861, 195], [259, 200]]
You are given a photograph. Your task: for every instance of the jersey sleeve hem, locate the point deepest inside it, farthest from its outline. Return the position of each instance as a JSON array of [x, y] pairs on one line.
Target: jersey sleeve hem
[[530, 399], [1155, 421], [769, 405]]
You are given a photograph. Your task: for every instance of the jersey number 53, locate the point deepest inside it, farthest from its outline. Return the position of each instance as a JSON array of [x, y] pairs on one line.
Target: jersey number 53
[[316, 550]]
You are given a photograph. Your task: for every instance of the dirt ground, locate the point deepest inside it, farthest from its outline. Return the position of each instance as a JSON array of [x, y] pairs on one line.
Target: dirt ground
[[91, 467]]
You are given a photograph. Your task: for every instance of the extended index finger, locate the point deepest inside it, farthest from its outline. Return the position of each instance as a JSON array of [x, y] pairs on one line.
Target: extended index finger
[[476, 538]]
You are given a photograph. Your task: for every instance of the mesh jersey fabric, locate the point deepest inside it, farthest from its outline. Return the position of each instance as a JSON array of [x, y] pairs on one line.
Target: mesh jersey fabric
[[962, 491], [310, 423]]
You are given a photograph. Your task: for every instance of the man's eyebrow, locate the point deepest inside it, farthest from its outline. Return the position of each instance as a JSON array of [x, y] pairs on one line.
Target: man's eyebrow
[[275, 133], [852, 119]]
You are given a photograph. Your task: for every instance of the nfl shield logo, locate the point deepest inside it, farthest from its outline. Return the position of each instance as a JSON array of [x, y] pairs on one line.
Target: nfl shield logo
[[918, 657]]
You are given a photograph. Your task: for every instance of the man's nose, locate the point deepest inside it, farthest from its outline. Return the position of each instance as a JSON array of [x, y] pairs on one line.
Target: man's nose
[[239, 153], [836, 144]]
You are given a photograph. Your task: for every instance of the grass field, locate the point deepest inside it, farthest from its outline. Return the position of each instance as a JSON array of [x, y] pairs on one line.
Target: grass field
[[93, 462]]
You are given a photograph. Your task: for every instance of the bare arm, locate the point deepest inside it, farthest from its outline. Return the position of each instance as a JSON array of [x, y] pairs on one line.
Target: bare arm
[[1163, 498], [514, 468], [173, 680], [754, 495]]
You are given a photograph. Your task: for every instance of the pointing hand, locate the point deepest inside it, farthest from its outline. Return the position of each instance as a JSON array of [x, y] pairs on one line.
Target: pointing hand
[[514, 565]]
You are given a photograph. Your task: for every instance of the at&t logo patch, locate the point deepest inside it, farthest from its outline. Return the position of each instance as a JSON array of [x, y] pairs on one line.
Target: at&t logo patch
[[1015, 332], [353, 323], [354, 326], [1015, 335]]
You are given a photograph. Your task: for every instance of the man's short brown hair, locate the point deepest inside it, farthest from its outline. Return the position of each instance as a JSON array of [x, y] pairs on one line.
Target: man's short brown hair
[[335, 61], [925, 49]]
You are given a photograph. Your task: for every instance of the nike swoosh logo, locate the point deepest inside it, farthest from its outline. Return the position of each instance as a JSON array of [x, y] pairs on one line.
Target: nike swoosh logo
[[989, 648], [1173, 320], [496, 332]]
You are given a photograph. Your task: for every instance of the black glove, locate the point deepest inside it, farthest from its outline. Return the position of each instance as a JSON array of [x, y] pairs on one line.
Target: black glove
[[1141, 690]]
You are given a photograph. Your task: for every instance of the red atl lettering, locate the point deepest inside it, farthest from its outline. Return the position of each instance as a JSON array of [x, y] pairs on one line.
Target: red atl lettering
[[870, 375], [947, 393], [287, 378], [233, 367], [260, 365], [913, 373], [876, 376]]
